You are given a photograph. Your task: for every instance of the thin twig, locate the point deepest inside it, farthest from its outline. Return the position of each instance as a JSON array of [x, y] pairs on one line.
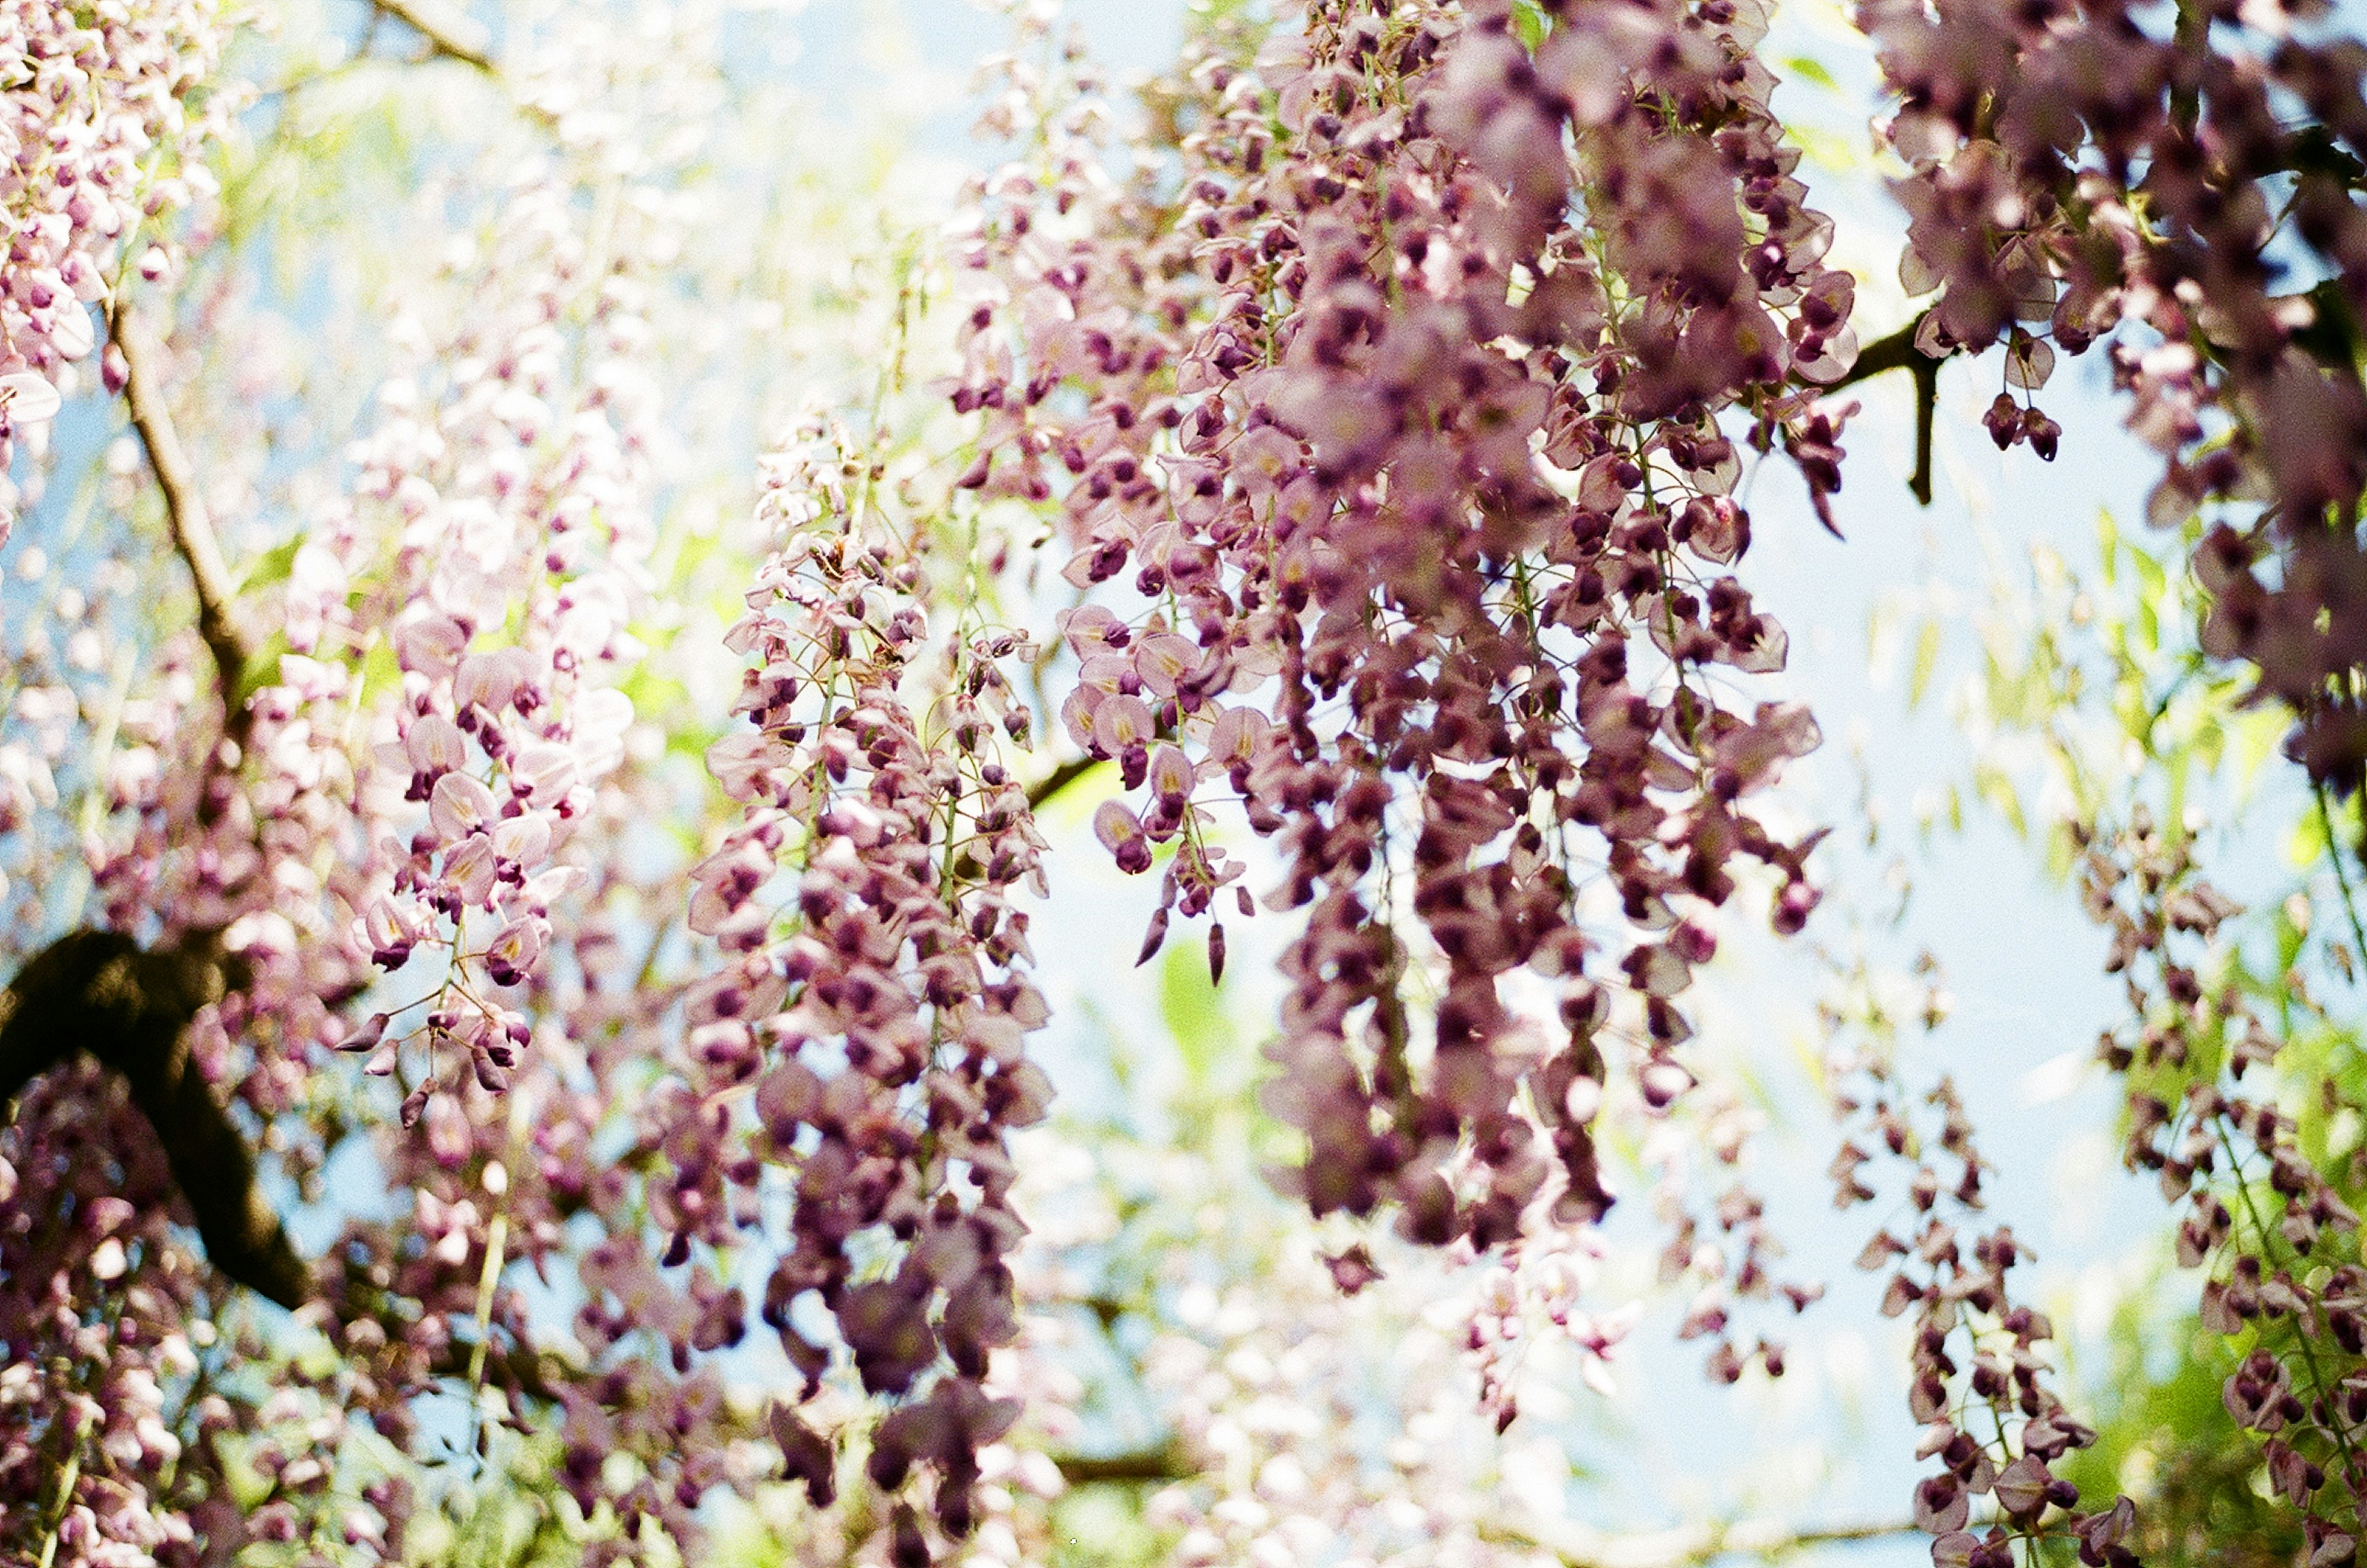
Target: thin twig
[[1144, 1466], [2341, 877], [453, 34], [68, 1475], [185, 510], [489, 1278]]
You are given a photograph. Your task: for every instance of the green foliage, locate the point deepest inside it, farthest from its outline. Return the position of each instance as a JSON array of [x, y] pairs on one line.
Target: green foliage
[[2166, 1438], [2091, 692]]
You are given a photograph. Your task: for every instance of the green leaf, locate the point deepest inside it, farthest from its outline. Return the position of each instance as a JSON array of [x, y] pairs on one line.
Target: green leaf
[[1926, 656], [2152, 577], [2308, 844], [380, 671], [1189, 1006], [2259, 736], [2210, 744], [1826, 149], [659, 696], [1998, 789], [1529, 21], [1809, 70], [272, 566], [262, 667]]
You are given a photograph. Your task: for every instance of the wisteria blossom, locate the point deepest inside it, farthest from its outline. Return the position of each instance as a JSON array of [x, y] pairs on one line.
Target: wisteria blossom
[[106, 113], [1402, 525], [584, 655]]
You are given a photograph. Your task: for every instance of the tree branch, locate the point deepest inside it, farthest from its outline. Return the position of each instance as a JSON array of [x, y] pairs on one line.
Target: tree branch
[[1895, 351], [1898, 351], [185, 510], [1059, 779], [535, 1373], [1137, 1465], [450, 31], [1685, 1547], [99, 992]]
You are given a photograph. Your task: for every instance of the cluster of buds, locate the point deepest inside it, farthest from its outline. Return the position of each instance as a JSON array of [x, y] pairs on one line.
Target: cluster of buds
[[511, 473], [2254, 1208]]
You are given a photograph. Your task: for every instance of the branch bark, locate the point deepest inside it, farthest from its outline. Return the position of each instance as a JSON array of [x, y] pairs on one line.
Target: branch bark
[[1144, 1465], [99, 992], [452, 34], [185, 510], [534, 1373]]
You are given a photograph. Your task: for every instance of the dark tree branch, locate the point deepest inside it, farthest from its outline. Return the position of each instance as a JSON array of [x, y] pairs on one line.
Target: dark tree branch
[[2332, 336], [448, 31], [99, 992], [452, 34], [535, 1374], [1894, 351], [185, 510], [1898, 351], [1059, 779], [1141, 1466]]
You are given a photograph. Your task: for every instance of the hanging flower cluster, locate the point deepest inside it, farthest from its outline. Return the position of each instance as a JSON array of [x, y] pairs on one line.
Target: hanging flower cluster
[[2110, 172], [103, 1391], [100, 110], [1400, 516], [511, 469], [878, 1005], [1257, 1382], [1385, 418], [2079, 170], [1992, 1420]]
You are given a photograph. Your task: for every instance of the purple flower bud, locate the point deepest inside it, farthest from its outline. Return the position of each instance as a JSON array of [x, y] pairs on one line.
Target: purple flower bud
[[1153, 936], [363, 1039]]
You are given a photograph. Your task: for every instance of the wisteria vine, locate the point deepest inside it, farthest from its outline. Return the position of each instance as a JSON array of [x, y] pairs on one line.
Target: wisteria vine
[[1349, 456]]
